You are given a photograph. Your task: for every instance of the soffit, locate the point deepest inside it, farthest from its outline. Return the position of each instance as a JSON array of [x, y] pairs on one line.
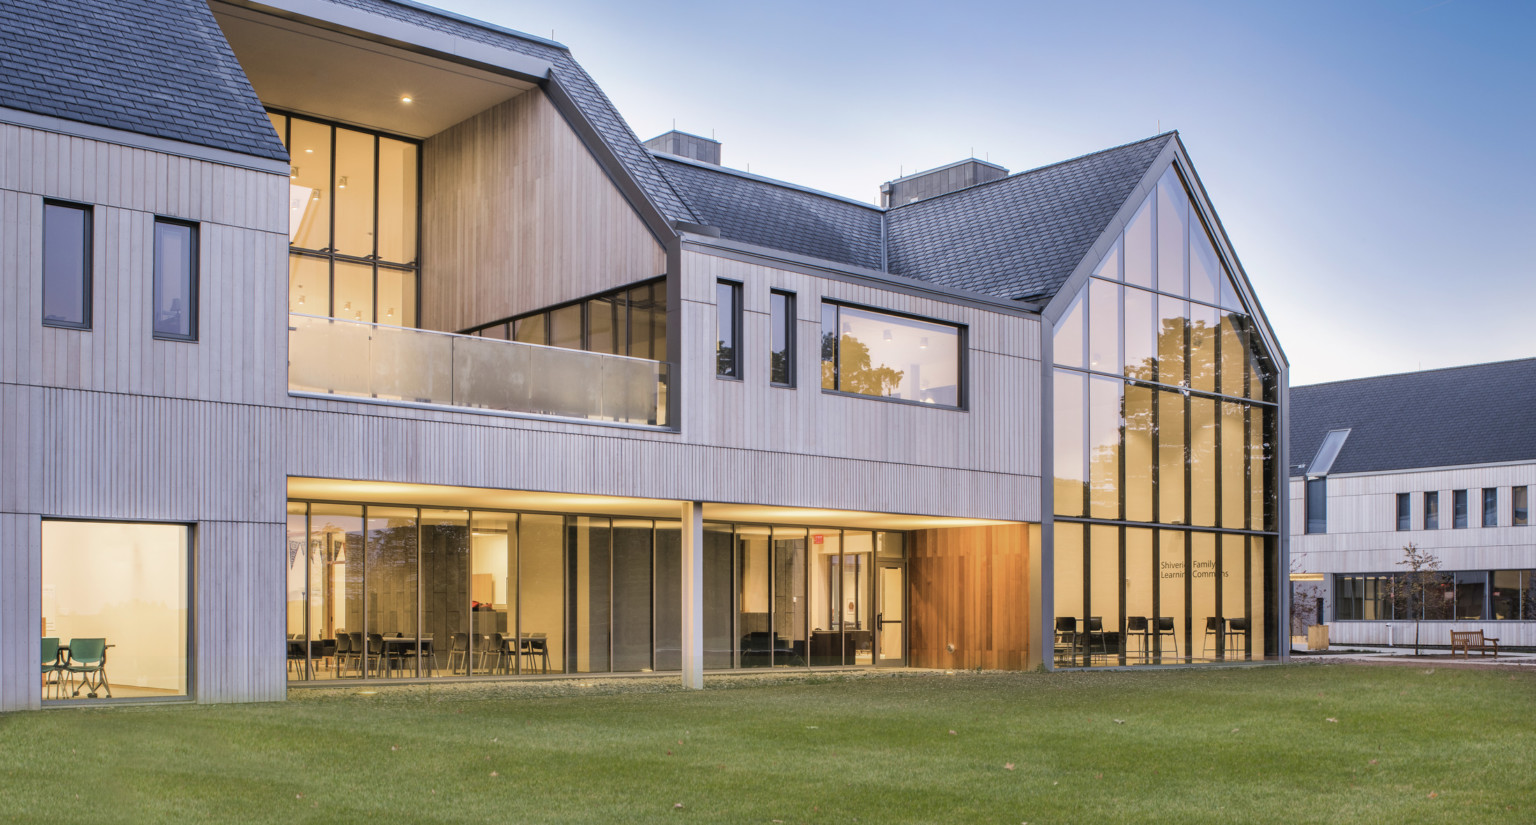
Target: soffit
[[345, 78]]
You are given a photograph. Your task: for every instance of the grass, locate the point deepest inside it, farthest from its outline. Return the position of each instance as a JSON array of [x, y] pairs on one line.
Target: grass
[[1300, 743]]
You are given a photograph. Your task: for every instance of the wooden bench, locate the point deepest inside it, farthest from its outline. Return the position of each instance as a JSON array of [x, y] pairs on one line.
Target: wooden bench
[[1469, 640]]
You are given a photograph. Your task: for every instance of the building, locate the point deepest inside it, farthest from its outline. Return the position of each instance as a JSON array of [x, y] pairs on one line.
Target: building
[[352, 339], [1444, 460]]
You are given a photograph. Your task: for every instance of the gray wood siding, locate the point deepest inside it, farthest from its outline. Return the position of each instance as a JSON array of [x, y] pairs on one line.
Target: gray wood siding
[[518, 215]]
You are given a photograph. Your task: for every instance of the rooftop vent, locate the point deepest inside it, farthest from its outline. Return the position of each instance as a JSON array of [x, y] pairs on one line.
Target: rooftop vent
[[940, 181], [686, 145]]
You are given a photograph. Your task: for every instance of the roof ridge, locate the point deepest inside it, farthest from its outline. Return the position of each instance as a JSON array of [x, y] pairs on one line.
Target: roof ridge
[[1023, 172], [1413, 372], [479, 24], [713, 167]]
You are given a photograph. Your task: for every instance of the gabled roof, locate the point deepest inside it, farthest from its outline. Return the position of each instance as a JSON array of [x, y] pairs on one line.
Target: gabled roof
[[1477, 414], [1022, 236], [770, 213], [154, 67], [595, 105]]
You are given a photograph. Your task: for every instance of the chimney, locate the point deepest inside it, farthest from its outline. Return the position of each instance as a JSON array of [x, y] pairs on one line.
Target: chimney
[[940, 181], [686, 145]]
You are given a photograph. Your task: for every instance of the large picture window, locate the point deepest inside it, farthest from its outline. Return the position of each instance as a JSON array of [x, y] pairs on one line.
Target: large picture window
[[878, 354], [352, 220], [114, 606]]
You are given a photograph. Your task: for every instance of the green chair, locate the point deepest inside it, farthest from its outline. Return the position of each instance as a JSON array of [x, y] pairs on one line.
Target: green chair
[[53, 665], [88, 660]]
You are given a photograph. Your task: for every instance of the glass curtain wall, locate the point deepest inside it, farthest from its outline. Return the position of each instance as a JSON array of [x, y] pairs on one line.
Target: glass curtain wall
[[630, 321], [352, 219], [1165, 416], [386, 591]]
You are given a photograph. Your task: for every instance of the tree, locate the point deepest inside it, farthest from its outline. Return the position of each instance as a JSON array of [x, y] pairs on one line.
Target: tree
[[856, 372], [1418, 584]]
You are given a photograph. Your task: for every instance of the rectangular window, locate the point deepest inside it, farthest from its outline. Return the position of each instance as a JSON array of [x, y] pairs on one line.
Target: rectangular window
[[66, 265], [1459, 509], [1490, 507], [1317, 505], [114, 610], [175, 298], [1404, 511], [890, 356], [781, 360], [728, 324], [1431, 511], [1520, 512]]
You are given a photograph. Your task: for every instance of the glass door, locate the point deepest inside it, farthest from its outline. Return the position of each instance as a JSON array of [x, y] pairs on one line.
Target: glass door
[[891, 618]]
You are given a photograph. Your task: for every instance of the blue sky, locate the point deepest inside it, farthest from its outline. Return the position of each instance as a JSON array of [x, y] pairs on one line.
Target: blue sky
[[1374, 163]]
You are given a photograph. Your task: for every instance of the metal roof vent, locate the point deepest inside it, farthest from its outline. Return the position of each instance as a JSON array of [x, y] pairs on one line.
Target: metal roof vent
[[940, 181]]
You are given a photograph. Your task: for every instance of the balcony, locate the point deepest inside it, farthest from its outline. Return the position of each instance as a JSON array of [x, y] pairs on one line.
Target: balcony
[[333, 357]]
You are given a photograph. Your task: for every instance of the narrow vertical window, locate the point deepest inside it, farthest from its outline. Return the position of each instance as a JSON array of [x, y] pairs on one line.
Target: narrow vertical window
[[781, 314], [1490, 507], [1458, 509], [1431, 511], [1317, 505], [175, 299], [1520, 511], [728, 341], [1404, 510], [66, 265], [829, 346]]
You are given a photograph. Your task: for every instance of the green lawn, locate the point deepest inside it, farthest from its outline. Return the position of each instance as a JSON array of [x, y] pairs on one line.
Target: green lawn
[[1294, 744]]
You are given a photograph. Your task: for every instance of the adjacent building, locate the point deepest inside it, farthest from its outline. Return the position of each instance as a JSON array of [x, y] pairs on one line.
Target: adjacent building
[[1444, 460], [357, 340]]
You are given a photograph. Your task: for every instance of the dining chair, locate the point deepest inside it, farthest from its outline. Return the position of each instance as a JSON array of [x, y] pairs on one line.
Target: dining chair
[[88, 660], [458, 653], [535, 646], [359, 651]]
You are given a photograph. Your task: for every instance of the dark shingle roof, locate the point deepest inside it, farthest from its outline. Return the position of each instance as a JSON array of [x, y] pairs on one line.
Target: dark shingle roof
[[155, 67], [768, 213], [1435, 418], [593, 103], [1021, 236]]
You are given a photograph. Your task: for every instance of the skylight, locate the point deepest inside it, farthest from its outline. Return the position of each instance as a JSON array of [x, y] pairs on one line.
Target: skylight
[[1326, 454]]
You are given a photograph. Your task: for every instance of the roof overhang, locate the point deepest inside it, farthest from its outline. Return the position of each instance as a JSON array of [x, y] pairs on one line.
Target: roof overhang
[[318, 67]]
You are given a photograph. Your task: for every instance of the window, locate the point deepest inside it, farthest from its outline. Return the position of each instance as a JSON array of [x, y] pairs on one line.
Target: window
[[1431, 511], [889, 356], [1490, 507], [1469, 594], [66, 265], [115, 593], [1317, 505], [781, 354], [629, 321], [1513, 596], [1458, 509], [1404, 508], [1520, 512], [175, 298], [728, 320]]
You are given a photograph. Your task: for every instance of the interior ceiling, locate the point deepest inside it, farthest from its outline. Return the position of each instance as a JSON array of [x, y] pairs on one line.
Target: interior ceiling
[[344, 78], [461, 498]]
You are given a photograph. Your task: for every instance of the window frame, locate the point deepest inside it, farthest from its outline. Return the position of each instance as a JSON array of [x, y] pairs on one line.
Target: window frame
[[736, 361], [1404, 512], [87, 253], [1432, 512], [194, 292], [788, 322], [1490, 507], [962, 356], [1319, 483], [1523, 496]]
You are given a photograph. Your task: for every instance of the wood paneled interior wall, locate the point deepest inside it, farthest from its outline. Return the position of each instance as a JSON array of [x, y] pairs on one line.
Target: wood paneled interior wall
[[969, 587], [518, 215]]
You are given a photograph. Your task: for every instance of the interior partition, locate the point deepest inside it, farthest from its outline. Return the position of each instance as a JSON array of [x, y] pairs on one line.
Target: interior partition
[[969, 603]]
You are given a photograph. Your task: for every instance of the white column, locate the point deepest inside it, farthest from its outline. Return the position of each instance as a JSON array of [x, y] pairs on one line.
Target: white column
[[693, 595]]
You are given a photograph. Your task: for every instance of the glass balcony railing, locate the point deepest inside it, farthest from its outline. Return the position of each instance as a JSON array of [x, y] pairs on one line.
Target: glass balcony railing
[[331, 356]]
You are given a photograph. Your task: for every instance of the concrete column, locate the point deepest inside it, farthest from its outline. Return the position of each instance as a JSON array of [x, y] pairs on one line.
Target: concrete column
[[693, 594]]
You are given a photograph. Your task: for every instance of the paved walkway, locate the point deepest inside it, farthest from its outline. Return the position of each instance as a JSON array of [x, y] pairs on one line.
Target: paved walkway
[[1433, 657]]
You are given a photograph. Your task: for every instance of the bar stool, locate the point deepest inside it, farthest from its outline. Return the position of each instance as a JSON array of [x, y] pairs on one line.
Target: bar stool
[[1163, 626], [1136, 626], [1067, 637], [1237, 627], [1093, 629], [1213, 627]]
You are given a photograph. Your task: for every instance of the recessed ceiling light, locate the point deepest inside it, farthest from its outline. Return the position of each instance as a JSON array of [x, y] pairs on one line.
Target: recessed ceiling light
[[309, 151], [405, 98]]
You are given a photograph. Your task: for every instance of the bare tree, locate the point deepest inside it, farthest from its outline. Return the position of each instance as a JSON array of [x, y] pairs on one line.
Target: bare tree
[[1422, 579]]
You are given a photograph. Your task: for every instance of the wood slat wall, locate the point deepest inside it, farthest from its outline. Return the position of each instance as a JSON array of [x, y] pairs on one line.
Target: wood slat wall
[[969, 587], [518, 215]]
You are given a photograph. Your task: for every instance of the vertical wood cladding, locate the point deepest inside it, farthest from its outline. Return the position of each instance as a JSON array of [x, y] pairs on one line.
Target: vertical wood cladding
[[969, 588], [518, 215]]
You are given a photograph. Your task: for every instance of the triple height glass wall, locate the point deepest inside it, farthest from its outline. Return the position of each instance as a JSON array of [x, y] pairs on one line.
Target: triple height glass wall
[[1165, 418]]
